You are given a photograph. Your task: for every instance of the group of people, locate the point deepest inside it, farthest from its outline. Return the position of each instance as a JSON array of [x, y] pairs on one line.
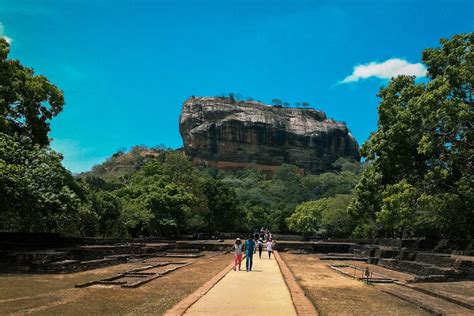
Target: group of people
[[252, 244]]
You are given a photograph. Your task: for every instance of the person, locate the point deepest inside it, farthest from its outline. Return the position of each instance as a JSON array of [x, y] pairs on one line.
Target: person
[[260, 247], [249, 248], [270, 248], [237, 253]]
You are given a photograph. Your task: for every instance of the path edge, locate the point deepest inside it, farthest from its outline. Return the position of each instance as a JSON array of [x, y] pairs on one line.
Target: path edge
[[182, 306], [302, 304]]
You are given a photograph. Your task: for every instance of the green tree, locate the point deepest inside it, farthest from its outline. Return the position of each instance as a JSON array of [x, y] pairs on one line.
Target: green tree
[[399, 207], [277, 102], [424, 140], [27, 102], [109, 214], [326, 217], [222, 206], [367, 202], [335, 219], [36, 192], [306, 219]]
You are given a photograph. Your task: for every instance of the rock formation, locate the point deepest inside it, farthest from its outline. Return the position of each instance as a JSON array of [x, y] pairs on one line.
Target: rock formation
[[226, 133]]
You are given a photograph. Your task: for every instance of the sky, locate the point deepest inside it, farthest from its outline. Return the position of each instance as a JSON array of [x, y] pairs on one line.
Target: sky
[[126, 67]]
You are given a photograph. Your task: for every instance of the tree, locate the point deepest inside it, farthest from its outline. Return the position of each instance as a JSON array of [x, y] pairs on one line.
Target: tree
[[335, 219], [108, 209], [326, 217], [36, 193], [232, 97], [222, 206], [276, 102], [424, 142], [27, 102], [305, 104], [255, 217], [399, 209], [306, 219], [367, 202]]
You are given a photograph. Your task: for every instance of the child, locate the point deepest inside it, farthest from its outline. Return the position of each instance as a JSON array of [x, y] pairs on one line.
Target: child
[[237, 253], [260, 247], [270, 248]]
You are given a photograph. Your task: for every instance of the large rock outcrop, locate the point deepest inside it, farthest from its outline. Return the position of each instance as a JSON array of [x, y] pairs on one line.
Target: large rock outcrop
[[224, 133]]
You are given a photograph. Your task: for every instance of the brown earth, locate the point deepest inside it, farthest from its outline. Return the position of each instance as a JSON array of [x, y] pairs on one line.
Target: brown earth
[[462, 291], [55, 294], [397, 275], [335, 294]]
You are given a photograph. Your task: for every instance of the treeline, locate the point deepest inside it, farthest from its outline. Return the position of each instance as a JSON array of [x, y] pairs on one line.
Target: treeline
[[417, 178], [167, 195]]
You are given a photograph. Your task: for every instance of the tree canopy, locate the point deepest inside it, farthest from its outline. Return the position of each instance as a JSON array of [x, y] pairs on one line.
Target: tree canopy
[[27, 101], [420, 179]]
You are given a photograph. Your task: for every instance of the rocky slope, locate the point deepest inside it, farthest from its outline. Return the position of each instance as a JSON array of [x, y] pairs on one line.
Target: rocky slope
[[225, 133]]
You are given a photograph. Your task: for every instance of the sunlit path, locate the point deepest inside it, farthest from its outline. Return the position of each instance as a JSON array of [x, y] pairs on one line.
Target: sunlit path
[[259, 292]]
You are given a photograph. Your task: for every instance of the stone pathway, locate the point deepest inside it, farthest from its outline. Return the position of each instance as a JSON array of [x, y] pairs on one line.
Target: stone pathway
[[259, 292]]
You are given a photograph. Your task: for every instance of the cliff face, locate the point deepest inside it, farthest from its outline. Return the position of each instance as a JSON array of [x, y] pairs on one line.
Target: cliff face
[[219, 131]]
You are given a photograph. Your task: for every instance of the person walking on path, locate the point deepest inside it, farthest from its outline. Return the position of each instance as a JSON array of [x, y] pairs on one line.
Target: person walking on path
[[260, 247], [270, 248], [249, 249], [238, 247]]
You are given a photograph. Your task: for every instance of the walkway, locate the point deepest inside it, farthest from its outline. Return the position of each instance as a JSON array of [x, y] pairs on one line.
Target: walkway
[[259, 292]]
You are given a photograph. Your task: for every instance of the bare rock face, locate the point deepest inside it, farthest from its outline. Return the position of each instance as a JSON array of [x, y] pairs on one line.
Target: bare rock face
[[223, 132]]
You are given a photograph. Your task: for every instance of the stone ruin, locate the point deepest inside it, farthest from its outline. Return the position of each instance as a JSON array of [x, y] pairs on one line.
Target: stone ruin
[[51, 253], [138, 276], [428, 260]]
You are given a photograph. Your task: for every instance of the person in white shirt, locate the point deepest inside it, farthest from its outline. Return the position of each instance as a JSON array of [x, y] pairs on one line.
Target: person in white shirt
[[238, 247], [270, 248]]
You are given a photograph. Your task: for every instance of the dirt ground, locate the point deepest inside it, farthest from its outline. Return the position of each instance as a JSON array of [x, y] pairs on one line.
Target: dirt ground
[[462, 291], [335, 294], [55, 294], [397, 275]]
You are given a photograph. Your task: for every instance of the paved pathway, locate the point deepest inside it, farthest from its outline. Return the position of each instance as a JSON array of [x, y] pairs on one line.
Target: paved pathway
[[259, 292]]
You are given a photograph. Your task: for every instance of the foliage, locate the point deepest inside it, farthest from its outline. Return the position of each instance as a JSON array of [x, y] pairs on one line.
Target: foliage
[[272, 199], [324, 217], [421, 157], [27, 101], [36, 192], [223, 211], [277, 102]]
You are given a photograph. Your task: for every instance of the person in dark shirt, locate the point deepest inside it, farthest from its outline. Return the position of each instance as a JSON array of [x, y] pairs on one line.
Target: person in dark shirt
[[249, 250]]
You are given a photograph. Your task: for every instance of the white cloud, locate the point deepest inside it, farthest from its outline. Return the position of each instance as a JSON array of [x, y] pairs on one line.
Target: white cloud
[[386, 70], [2, 34]]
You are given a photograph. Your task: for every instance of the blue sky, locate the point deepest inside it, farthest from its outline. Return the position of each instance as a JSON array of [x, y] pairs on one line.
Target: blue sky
[[127, 66]]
